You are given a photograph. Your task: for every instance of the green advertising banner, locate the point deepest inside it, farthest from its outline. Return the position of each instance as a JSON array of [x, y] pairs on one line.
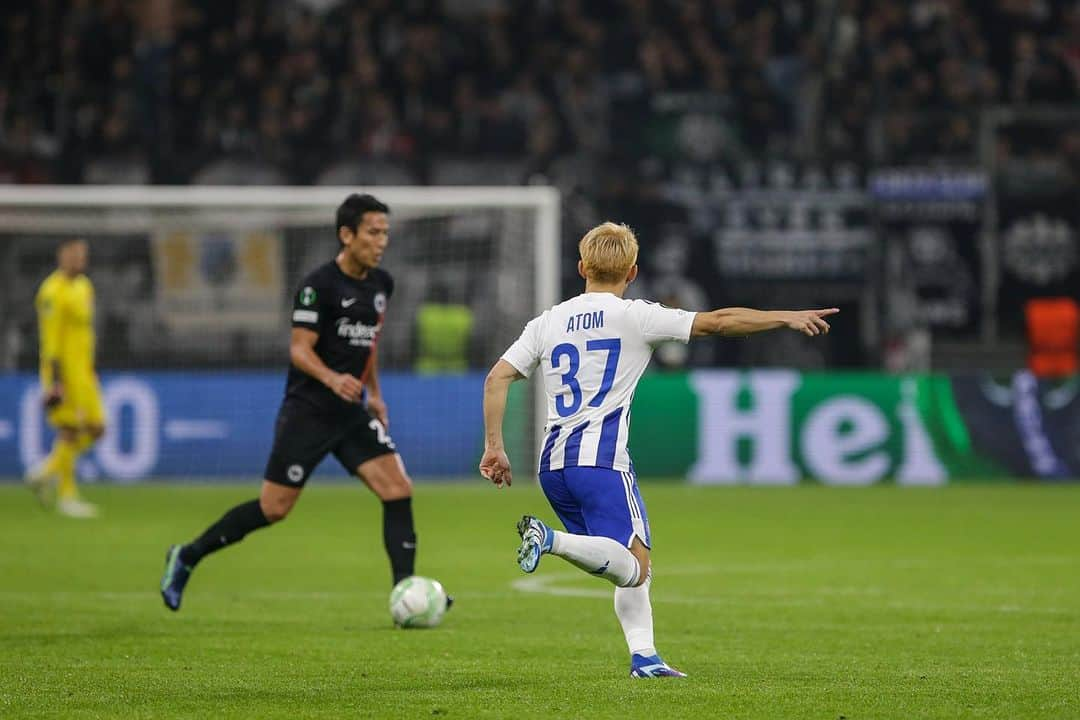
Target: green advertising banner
[[777, 427]]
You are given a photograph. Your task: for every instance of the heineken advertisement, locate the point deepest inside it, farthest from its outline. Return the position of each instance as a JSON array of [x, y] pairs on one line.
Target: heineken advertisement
[[768, 427], [778, 427]]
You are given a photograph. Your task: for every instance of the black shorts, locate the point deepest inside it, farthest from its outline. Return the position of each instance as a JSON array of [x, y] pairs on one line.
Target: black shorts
[[303, 436]]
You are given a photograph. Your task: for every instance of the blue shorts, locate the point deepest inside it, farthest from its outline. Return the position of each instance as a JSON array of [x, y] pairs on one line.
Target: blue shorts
[[599, 502]]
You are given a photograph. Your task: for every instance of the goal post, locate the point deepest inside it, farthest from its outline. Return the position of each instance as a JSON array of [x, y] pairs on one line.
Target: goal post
[[193, 286]]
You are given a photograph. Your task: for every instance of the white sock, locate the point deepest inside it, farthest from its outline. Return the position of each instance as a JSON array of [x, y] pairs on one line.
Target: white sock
[[634, 610], [599, 556]]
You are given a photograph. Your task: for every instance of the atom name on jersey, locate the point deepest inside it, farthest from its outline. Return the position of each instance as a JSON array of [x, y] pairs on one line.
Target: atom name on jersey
[[585, 321]]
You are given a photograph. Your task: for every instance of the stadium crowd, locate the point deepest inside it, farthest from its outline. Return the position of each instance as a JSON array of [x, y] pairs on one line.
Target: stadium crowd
[[118, 90], [669, 115]]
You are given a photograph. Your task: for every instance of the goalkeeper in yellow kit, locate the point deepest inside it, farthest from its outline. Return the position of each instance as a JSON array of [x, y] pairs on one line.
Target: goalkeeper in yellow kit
[[72, 395]]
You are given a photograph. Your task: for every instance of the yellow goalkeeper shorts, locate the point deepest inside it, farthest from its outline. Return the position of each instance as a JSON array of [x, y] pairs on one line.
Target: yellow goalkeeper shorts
[[81, 405]]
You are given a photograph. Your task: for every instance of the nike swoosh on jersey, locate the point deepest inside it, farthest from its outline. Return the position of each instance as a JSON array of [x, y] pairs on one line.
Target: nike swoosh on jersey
[[348, 302]]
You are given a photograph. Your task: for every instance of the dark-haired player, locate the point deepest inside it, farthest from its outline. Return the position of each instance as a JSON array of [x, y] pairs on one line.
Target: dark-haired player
[[337, 318]]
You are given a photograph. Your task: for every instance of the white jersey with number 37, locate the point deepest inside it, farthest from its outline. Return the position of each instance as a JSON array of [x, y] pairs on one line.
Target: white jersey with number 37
[[592, 350]]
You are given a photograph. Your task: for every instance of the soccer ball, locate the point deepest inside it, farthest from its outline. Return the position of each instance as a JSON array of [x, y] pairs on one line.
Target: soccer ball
[[417, 602]]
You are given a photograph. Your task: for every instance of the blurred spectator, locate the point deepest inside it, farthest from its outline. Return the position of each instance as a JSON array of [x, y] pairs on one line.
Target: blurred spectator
[[304, 84]]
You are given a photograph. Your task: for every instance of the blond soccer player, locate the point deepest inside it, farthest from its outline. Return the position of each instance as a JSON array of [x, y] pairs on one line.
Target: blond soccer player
[[592, 350], [72, 395]]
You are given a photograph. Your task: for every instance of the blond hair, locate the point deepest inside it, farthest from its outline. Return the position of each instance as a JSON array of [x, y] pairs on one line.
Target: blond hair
[[608, 251]]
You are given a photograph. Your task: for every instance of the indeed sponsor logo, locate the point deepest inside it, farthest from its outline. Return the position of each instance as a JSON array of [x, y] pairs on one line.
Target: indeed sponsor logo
[[357, 333]]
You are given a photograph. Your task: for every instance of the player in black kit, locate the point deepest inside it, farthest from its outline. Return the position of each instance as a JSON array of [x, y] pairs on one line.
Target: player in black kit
[[337, 317]]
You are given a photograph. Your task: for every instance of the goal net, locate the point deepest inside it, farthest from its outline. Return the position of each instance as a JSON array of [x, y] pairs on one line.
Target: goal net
[[194, 287]]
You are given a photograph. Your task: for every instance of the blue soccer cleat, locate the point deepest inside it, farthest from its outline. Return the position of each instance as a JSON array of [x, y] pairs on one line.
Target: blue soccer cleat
[[174, 579], [536, 539], [651, 667]]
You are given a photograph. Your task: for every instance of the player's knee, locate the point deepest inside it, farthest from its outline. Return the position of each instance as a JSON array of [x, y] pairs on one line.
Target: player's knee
[[641, 554], [275, 507], [395, 487], [643, 572], [387, 478], [275, 511]]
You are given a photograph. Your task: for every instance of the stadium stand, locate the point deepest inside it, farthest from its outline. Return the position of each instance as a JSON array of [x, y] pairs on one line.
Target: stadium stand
[[716, 128], [120, 92]]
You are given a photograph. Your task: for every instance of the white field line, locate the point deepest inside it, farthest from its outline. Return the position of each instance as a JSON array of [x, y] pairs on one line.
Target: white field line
[[546, 585]]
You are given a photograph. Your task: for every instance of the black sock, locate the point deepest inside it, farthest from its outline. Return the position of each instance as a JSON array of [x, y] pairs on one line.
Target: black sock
[[399, 537], [231, 528]]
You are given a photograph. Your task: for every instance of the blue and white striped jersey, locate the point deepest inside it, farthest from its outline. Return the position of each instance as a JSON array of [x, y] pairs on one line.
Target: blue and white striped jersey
[[592, 350]]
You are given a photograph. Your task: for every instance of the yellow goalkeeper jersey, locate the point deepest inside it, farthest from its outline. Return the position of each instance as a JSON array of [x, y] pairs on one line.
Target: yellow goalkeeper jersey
[[65, 308]]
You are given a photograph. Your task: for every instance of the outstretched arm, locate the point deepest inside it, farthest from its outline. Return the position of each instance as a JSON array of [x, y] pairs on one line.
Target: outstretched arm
[[495, 466], [745, 321]]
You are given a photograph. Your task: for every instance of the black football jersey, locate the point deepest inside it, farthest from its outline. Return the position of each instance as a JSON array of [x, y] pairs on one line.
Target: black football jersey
[[348, 315]]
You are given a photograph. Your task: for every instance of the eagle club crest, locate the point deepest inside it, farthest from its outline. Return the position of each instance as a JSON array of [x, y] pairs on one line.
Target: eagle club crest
[[380, 303]]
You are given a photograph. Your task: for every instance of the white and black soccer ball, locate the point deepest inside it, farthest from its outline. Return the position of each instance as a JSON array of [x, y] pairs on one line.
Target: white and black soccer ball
[[418, 602]]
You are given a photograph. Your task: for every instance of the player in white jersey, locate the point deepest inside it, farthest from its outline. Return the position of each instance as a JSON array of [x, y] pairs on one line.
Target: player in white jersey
[[592, 350]]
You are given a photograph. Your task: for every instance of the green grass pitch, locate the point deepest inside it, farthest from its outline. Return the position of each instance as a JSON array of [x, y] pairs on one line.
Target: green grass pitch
[[804, 602]]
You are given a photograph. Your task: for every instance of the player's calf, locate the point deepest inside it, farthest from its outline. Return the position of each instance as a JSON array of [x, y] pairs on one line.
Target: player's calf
[[386, 476], [232, 527], [600, 556]]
